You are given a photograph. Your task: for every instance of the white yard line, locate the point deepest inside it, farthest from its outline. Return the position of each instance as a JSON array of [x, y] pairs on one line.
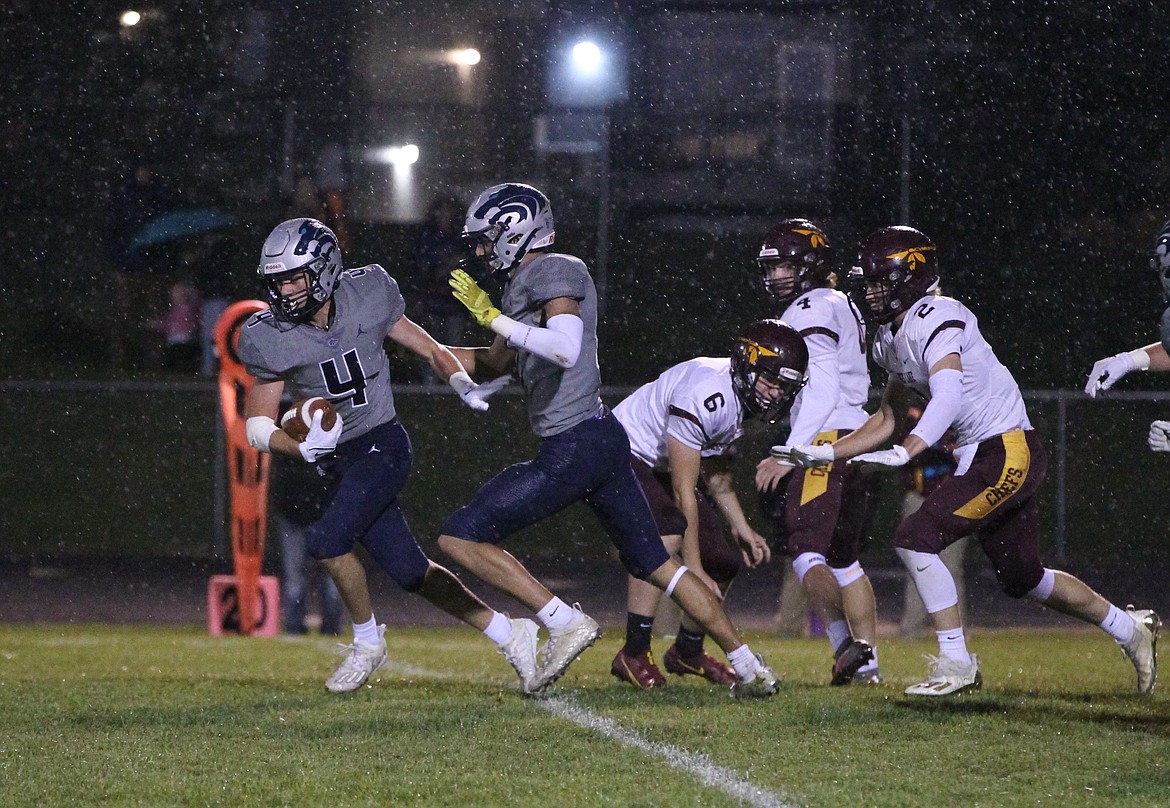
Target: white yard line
[[726, 780], [698, 765]]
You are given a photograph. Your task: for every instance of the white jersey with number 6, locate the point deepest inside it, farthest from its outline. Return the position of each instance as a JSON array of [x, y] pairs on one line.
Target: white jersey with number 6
[[692, 402]]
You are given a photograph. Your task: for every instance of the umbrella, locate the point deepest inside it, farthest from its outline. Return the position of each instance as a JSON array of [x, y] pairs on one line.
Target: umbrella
[[179, 224]]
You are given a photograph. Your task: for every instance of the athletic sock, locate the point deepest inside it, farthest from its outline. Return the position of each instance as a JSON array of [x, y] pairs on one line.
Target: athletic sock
[[689, 643], [638, 631], [838, 634], [952, 644], [500, 629], [555, 614], [744, 661], [367, 632], [1119, 625]]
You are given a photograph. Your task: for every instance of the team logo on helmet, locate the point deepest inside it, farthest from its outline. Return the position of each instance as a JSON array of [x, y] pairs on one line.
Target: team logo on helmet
[[519, 204], [913, 256], [815, 238]]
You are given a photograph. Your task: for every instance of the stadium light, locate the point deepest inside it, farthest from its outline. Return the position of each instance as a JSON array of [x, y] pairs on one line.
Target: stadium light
[[130, 18], [468, 57], [397, 156], [587, 58]]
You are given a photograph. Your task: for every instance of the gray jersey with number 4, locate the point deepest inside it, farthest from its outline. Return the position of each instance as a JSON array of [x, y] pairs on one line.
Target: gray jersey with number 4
[[344, 363], [558, 398]]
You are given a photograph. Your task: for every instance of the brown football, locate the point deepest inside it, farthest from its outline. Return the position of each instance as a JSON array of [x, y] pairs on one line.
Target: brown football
[[295, 421]]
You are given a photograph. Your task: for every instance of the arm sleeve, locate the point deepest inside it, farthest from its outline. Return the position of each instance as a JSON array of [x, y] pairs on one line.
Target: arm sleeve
[[820, 396], [946, 396], [559, 341]]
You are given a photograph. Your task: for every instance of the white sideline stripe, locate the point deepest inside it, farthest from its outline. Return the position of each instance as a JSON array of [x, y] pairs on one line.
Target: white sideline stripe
[[699, 765], [727, 780]]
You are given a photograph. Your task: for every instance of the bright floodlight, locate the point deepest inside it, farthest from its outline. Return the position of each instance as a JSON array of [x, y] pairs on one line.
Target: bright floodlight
[[130, 18], [397, 155], [587, 57], [468, 56]]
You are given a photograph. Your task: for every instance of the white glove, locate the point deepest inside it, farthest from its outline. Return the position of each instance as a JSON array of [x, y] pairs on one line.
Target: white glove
[[1159, 438], [1107, 372], [476, 395], [897, 456], [807, 457], [318, 442]]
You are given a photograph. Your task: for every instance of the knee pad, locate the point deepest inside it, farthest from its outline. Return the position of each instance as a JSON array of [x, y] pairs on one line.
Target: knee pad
[[805, 562], [847, 575], [1043, 590], [936, 585], [1019, 583]]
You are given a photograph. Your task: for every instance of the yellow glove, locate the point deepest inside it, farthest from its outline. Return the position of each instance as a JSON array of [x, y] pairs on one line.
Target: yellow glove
[[476, 300]]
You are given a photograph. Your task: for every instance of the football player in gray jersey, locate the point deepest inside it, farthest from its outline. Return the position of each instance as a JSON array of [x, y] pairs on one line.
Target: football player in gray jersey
[[322, 336], [547, 335], [1108, 371]]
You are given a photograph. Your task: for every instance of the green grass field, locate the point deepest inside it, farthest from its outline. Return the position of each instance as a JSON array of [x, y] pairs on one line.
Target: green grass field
[[96, 715]]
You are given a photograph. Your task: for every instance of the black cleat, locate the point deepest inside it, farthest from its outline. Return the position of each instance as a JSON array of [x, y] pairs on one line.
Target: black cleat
[[848, 659]]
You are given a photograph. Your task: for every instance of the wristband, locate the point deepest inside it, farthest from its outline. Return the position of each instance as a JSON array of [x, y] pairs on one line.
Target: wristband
[[260, 429], [459, 381], [1140, 359]]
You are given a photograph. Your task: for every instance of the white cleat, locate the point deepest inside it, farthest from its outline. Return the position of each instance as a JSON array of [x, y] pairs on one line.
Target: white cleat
[[1142, 648], [520, 651], [760, 684], [361, 660], [948, 677], [563, 646]]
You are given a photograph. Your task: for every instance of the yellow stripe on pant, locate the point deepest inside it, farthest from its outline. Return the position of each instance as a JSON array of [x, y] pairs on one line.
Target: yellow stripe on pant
[[816, 480], [1016, 462]]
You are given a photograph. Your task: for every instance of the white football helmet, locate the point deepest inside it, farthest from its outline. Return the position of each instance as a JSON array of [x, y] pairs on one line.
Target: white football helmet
[[293, 247], [505, 222]]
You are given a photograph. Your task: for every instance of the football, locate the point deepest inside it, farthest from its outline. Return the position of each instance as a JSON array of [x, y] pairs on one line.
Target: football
[[295, 421]]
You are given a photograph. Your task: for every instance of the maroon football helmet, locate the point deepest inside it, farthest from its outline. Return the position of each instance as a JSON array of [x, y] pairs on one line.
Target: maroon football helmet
[[895, 267], [774, 351], [804, 247]]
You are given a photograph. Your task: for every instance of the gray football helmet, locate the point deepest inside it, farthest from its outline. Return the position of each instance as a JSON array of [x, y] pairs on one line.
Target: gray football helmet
[[504, 223], [293, 247], [1160, 259]]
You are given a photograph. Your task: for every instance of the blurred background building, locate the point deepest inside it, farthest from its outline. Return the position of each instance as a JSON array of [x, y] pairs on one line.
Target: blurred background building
[[1028, 139]]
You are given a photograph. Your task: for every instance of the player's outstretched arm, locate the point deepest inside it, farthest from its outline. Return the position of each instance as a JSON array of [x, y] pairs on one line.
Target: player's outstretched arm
[[1108, 371], [443, 361]]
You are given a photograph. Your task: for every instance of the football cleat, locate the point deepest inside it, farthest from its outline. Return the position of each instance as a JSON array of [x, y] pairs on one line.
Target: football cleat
[[563, 646], [520, 651], [947, 677], [361, 660], [760, 684], [1142, 647], [848, 660], [637, 669], [701, 664], [871, 676]]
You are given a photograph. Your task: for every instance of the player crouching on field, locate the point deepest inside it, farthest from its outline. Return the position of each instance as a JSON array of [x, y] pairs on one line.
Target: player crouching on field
[[932, 345], [683, 422]]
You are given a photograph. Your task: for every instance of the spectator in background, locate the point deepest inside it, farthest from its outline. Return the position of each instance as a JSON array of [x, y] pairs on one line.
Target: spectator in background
[[436, 251], [298, 498], [180, 328], [139, 285], [214, 280], [920, 477]]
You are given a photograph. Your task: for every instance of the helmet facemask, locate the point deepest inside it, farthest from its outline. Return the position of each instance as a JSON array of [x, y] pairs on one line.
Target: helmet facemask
[[783, 289]]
